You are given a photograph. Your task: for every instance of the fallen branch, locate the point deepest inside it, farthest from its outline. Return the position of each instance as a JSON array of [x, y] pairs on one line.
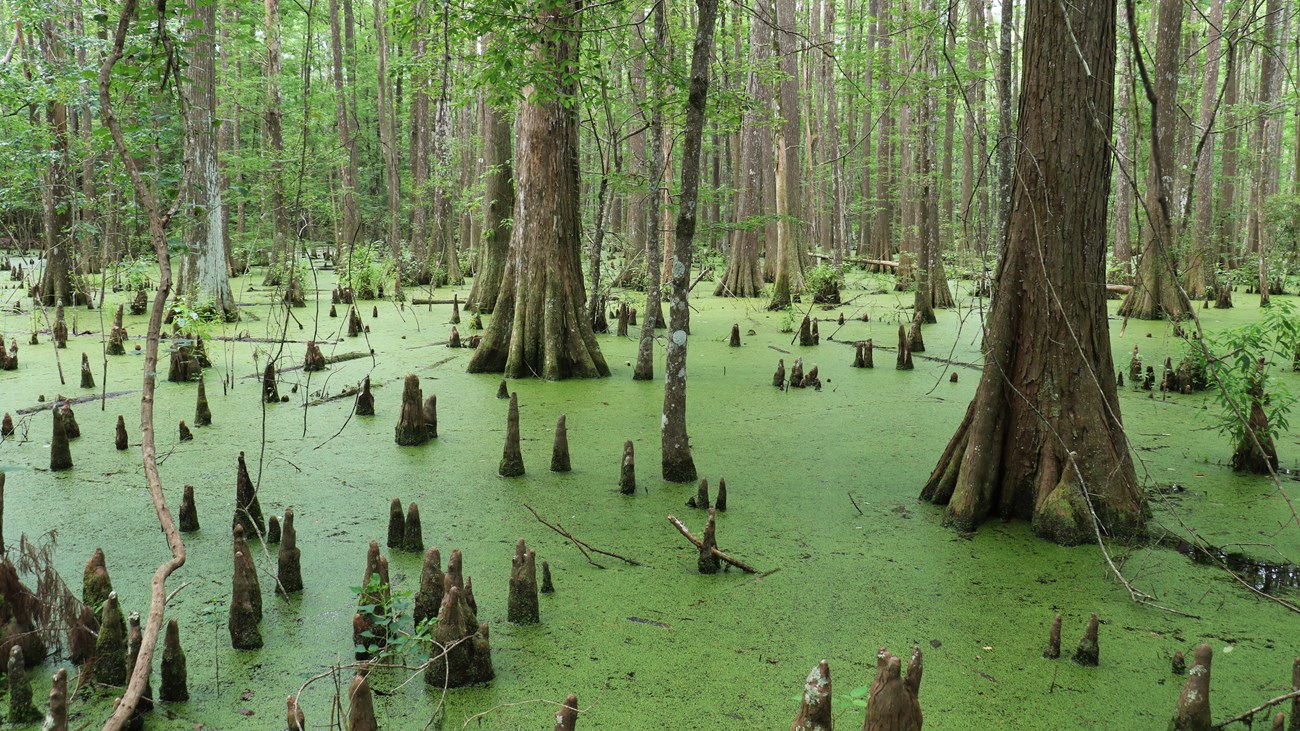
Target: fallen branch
[[1248, 717], [681, 528], [852, 260], [427, 301], [73, 401], [581, 544]]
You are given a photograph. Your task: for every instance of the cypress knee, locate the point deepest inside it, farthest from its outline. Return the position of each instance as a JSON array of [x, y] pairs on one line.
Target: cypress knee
[[904, 350], [778, 378], [175, 677], [560, 448], [627, 470], [119, 438], [566, 719], [293, 715], [272, 531], [547, 586], [431, 416], [184, 433], [521, 606], [805, 332], [87, 378], [411, 429], [21, 708], [95, 582], [365, 399], [1088, 651], [413, 536], [189, 517], [361, 705], [270, 391], [57, 718], [512, 459], [815, 707], [721, 502], [429, 595], [248, 510], [915, 342], [396, 524], [289, 560], [1053, 650], [202, 413], [709, 562], [244, 633], [110, 644], [60, 452], [135, 637], [735, 336], [1193, 712], [893, 703]]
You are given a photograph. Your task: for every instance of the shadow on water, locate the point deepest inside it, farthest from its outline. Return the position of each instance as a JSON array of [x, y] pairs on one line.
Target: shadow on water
[[1266, 576]]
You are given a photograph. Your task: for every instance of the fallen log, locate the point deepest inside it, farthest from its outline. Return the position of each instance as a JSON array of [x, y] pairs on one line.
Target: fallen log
[[856, 260]]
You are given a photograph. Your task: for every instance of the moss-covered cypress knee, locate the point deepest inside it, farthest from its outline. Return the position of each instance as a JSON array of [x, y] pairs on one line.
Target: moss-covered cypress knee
[[512, 459], [521, 606], [175, 677]]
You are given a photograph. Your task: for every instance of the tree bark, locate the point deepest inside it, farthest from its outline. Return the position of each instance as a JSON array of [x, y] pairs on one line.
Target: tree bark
[[1042, 438], [678, 466], [388, 140], [744, 274], [1126, 171], [1200, 265], [351, 230], [1156, 292], [281, 260], [653, 316], [208, 275], [498, 208], [539, 326], [57, 283]]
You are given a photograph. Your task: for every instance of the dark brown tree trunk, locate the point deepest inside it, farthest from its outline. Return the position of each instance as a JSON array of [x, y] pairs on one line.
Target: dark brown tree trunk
[[1156, 291], [678, 466], [539, 326], [1042, 438]]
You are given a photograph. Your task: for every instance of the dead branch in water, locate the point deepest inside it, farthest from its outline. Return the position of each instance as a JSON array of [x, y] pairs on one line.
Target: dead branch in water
[[581, 544]]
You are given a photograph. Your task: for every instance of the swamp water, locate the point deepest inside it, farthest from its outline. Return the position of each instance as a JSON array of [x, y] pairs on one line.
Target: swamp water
[[822, 498]]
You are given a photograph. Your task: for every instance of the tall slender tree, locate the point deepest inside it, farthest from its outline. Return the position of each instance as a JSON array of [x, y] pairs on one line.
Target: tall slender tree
[[206, 273], [1157, 293], [678, 465]]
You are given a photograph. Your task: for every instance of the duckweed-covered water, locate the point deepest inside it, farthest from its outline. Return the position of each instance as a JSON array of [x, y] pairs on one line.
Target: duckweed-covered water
[[822, 491]]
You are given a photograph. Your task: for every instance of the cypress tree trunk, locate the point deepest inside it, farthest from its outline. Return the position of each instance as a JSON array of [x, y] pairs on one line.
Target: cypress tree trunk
[[744, 274], [1199, 277], [207, 274], [498, 208], [1156, 292], [539, 326], [1043, 431]]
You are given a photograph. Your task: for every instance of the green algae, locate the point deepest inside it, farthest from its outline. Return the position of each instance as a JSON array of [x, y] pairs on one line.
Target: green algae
[[823, 488]]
